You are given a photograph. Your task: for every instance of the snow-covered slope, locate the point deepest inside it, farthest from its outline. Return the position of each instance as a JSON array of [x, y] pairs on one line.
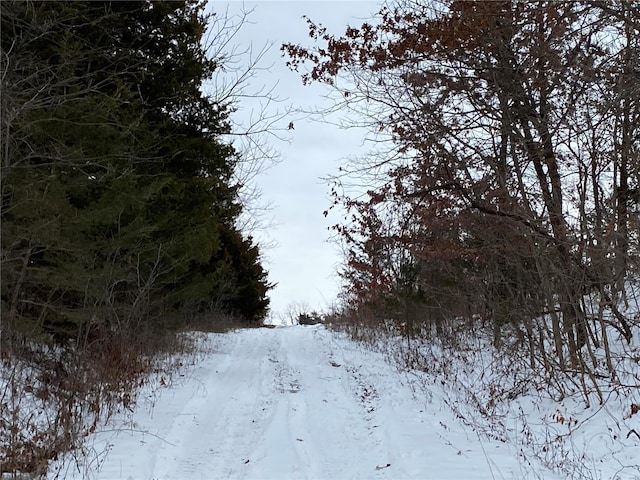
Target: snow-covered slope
[[298, 403]]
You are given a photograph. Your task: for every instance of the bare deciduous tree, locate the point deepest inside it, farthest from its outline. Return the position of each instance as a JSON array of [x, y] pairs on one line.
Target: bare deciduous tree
[[507, 136]]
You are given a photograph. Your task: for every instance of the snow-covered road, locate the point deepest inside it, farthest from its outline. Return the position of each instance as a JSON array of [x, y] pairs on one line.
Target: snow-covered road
[[296, 403]]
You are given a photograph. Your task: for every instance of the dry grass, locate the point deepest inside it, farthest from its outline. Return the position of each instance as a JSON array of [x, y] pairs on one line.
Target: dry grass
[[53, 395]]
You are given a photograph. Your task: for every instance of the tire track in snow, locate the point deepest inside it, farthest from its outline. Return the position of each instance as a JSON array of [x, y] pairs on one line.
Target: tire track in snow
[[288, 403], [330, 418], [219, 425]]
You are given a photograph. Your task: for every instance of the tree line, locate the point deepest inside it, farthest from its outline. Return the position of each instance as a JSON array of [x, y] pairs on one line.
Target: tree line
[[505, 181], [119, 206]]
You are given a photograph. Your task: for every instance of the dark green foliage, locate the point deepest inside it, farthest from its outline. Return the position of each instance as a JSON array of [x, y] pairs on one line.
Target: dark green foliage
[[243, 259], [118, 205]]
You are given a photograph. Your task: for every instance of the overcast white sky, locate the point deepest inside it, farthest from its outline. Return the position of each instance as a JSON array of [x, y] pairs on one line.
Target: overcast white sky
[[302, 261]]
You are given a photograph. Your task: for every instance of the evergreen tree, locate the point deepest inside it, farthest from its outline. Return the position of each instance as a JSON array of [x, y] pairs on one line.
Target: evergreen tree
[[118, 205]]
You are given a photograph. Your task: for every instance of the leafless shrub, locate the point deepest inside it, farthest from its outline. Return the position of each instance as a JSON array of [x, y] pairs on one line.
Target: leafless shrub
[[53, 396]]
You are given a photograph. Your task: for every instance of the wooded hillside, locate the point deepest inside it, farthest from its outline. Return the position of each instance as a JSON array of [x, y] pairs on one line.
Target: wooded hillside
[[504, 187]]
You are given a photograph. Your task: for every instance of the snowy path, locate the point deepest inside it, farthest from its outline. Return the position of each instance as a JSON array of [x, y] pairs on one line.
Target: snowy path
[[297, 403]]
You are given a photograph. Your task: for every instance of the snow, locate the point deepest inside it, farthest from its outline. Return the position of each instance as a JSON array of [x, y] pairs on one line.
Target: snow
[[304, 402]]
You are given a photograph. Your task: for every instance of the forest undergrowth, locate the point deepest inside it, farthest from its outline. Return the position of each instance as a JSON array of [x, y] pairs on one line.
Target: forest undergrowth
[[53, 398], [581, 423]]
